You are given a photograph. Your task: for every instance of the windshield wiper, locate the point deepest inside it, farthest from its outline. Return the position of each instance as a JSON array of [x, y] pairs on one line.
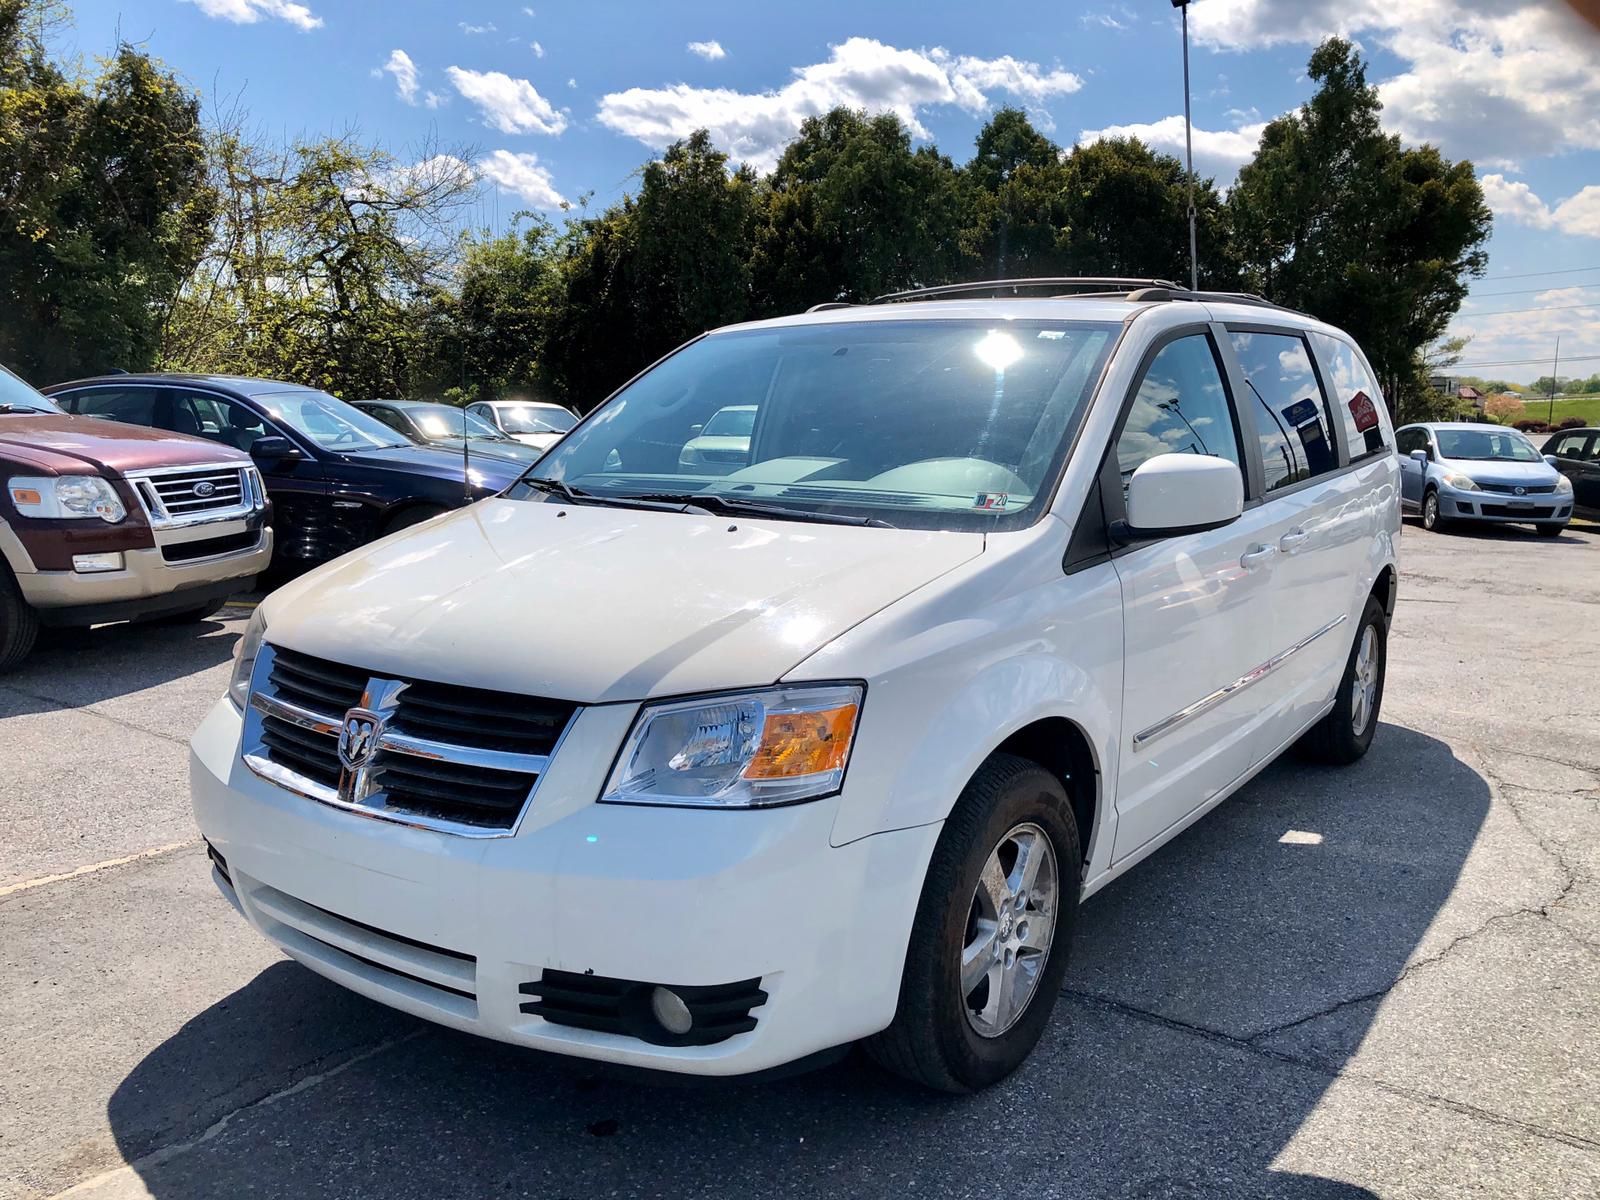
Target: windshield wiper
[[12, 409], [560, 487], [738, 506]]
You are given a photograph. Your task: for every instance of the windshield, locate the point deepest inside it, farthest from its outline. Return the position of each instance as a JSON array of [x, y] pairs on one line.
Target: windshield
[[440, 421], [527, 418], [15, 394], [330, 422], [1501, 445], [940, 424]]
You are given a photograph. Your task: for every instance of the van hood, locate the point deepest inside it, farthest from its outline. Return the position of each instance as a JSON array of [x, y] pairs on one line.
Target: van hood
[[595, 604], [66, 445]]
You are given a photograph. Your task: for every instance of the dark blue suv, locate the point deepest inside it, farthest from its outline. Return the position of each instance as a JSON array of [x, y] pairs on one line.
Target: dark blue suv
[[336, 477]]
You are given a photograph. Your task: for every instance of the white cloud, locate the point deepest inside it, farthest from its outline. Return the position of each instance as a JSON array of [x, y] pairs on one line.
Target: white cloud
[[1578, 214], [521, 175], [474, 30], [572, 83], [859, 73], [526, 11], [710, 51], [405, 75], [509, 105], [1497, 81], [248, 12], [1218, 153], [1512, 336], [538, 50]]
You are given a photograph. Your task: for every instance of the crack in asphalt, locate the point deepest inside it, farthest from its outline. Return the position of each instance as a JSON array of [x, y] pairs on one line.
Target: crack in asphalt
[[1249, 1046], [93, 709]]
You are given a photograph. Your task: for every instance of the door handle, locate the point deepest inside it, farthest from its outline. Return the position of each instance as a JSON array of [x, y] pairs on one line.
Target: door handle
[[1293, 540], [1257, 556]]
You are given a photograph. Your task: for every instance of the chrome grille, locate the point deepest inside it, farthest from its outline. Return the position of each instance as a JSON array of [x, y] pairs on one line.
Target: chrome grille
[[199, 494], [458, 759]]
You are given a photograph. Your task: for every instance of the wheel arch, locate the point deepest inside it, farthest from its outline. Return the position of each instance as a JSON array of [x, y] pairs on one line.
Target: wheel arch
[[1062, 747]]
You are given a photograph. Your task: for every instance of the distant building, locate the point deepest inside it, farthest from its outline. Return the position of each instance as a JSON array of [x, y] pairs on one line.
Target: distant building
[[1468, 394]]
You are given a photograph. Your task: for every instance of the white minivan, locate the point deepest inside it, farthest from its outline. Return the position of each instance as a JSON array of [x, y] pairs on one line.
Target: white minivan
[[716, 772]]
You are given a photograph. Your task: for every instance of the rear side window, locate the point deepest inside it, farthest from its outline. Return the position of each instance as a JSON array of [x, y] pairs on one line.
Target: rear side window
[[136, 406], [1355, 397], [1181, 407], [1290, 411], [1571, 446]]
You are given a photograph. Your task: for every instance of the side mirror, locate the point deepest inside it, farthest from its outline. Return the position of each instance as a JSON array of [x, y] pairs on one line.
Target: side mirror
[[274, 450], [694, 430], [1183, 493], [1420, 456], [1551, 459]]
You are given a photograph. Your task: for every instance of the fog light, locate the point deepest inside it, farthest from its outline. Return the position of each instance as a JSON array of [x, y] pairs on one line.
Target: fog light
[[671, 1011], [88, 564]]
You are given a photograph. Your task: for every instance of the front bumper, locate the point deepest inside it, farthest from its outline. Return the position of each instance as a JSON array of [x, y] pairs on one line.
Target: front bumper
[[451, 928], [1500, 508], [148, 584]]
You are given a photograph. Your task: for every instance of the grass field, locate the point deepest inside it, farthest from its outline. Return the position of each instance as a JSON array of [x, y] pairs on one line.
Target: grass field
[[1587, 407]]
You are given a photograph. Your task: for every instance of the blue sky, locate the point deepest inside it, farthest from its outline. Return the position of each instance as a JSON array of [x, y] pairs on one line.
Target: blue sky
[[556, 101]]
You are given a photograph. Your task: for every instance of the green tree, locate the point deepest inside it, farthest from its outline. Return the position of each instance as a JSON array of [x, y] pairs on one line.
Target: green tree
[[853, 212], [1014, 196], [1335, 217], [321, 261], [104, 202]]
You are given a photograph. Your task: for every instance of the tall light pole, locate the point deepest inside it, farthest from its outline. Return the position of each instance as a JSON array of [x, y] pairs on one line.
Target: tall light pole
[[1188, 146]]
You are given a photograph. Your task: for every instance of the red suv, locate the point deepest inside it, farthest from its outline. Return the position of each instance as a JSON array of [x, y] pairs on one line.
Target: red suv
[[107, 522]]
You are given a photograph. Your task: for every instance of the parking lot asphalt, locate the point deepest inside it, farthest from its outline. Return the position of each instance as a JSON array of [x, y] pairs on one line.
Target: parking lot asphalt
[[1381, 980]]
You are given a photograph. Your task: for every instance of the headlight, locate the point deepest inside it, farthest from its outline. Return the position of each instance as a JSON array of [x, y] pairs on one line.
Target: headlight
[[748, 750], [1462, 483], [66, 496], [1563, 486], [244, 659]]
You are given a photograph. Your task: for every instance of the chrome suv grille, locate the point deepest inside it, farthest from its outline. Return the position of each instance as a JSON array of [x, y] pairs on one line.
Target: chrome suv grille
[[460, 759], [197, 494]]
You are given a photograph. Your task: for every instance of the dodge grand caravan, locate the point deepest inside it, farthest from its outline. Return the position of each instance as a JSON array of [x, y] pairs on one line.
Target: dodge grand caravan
[[829, 747]]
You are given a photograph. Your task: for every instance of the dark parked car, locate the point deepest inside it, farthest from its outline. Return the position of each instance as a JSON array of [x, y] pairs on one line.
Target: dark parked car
[[1577, 455], [446, 426], [337, 478], [101, 522]]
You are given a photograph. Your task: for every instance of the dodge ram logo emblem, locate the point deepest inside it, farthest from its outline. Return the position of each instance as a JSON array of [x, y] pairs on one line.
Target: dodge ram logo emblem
[[358, 738], [205, 489]]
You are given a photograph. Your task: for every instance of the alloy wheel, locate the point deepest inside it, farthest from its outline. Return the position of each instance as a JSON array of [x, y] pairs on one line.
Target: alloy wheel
[[1364, 682], [1010, 925]]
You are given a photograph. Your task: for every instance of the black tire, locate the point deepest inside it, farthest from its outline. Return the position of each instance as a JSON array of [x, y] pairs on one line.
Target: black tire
[[1431, 518], [1335, 739], [932, 1041], [415, 515], [19, 624], [1550, 530]]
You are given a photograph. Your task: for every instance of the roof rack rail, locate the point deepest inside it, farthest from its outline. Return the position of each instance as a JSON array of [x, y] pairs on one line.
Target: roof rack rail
[[1101, 283], [1183, 293], [829, 305]]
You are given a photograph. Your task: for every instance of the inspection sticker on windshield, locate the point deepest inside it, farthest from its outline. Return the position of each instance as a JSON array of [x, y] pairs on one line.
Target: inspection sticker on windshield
[[993, 501]]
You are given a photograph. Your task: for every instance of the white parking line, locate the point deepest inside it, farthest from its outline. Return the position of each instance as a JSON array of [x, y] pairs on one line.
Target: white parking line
[[155, 852]]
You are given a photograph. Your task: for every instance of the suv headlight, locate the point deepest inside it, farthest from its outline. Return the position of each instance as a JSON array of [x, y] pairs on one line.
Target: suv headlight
[[244, 659], [66, 496], [1462, 483], [742, 750], [1563, 486]]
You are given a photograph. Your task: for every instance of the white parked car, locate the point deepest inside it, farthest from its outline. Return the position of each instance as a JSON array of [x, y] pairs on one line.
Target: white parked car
[[531, 422], [722, 445], [829, 748]]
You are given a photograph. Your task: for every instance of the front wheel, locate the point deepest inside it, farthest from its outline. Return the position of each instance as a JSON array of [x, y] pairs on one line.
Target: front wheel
[[1431, 520], [1344, 734], [989, 945], [19, 624]]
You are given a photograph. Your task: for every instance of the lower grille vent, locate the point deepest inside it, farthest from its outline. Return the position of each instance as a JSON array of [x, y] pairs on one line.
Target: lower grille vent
[[624, 1006]]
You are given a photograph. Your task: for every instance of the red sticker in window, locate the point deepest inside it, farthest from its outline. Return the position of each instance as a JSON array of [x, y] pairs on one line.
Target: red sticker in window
[[1364, 411]]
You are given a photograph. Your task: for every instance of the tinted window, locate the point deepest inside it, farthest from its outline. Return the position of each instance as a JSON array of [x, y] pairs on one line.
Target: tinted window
[[215, 418], [136, 406], [732, 422], [1181, 407], [389, 417], [1570, 446], [1488, 444], [1355, 397], [1408, 440], [1291, 416]]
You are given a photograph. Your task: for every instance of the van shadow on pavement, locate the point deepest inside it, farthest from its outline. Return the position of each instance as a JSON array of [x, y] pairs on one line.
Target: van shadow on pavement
[[1146, 1084]]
